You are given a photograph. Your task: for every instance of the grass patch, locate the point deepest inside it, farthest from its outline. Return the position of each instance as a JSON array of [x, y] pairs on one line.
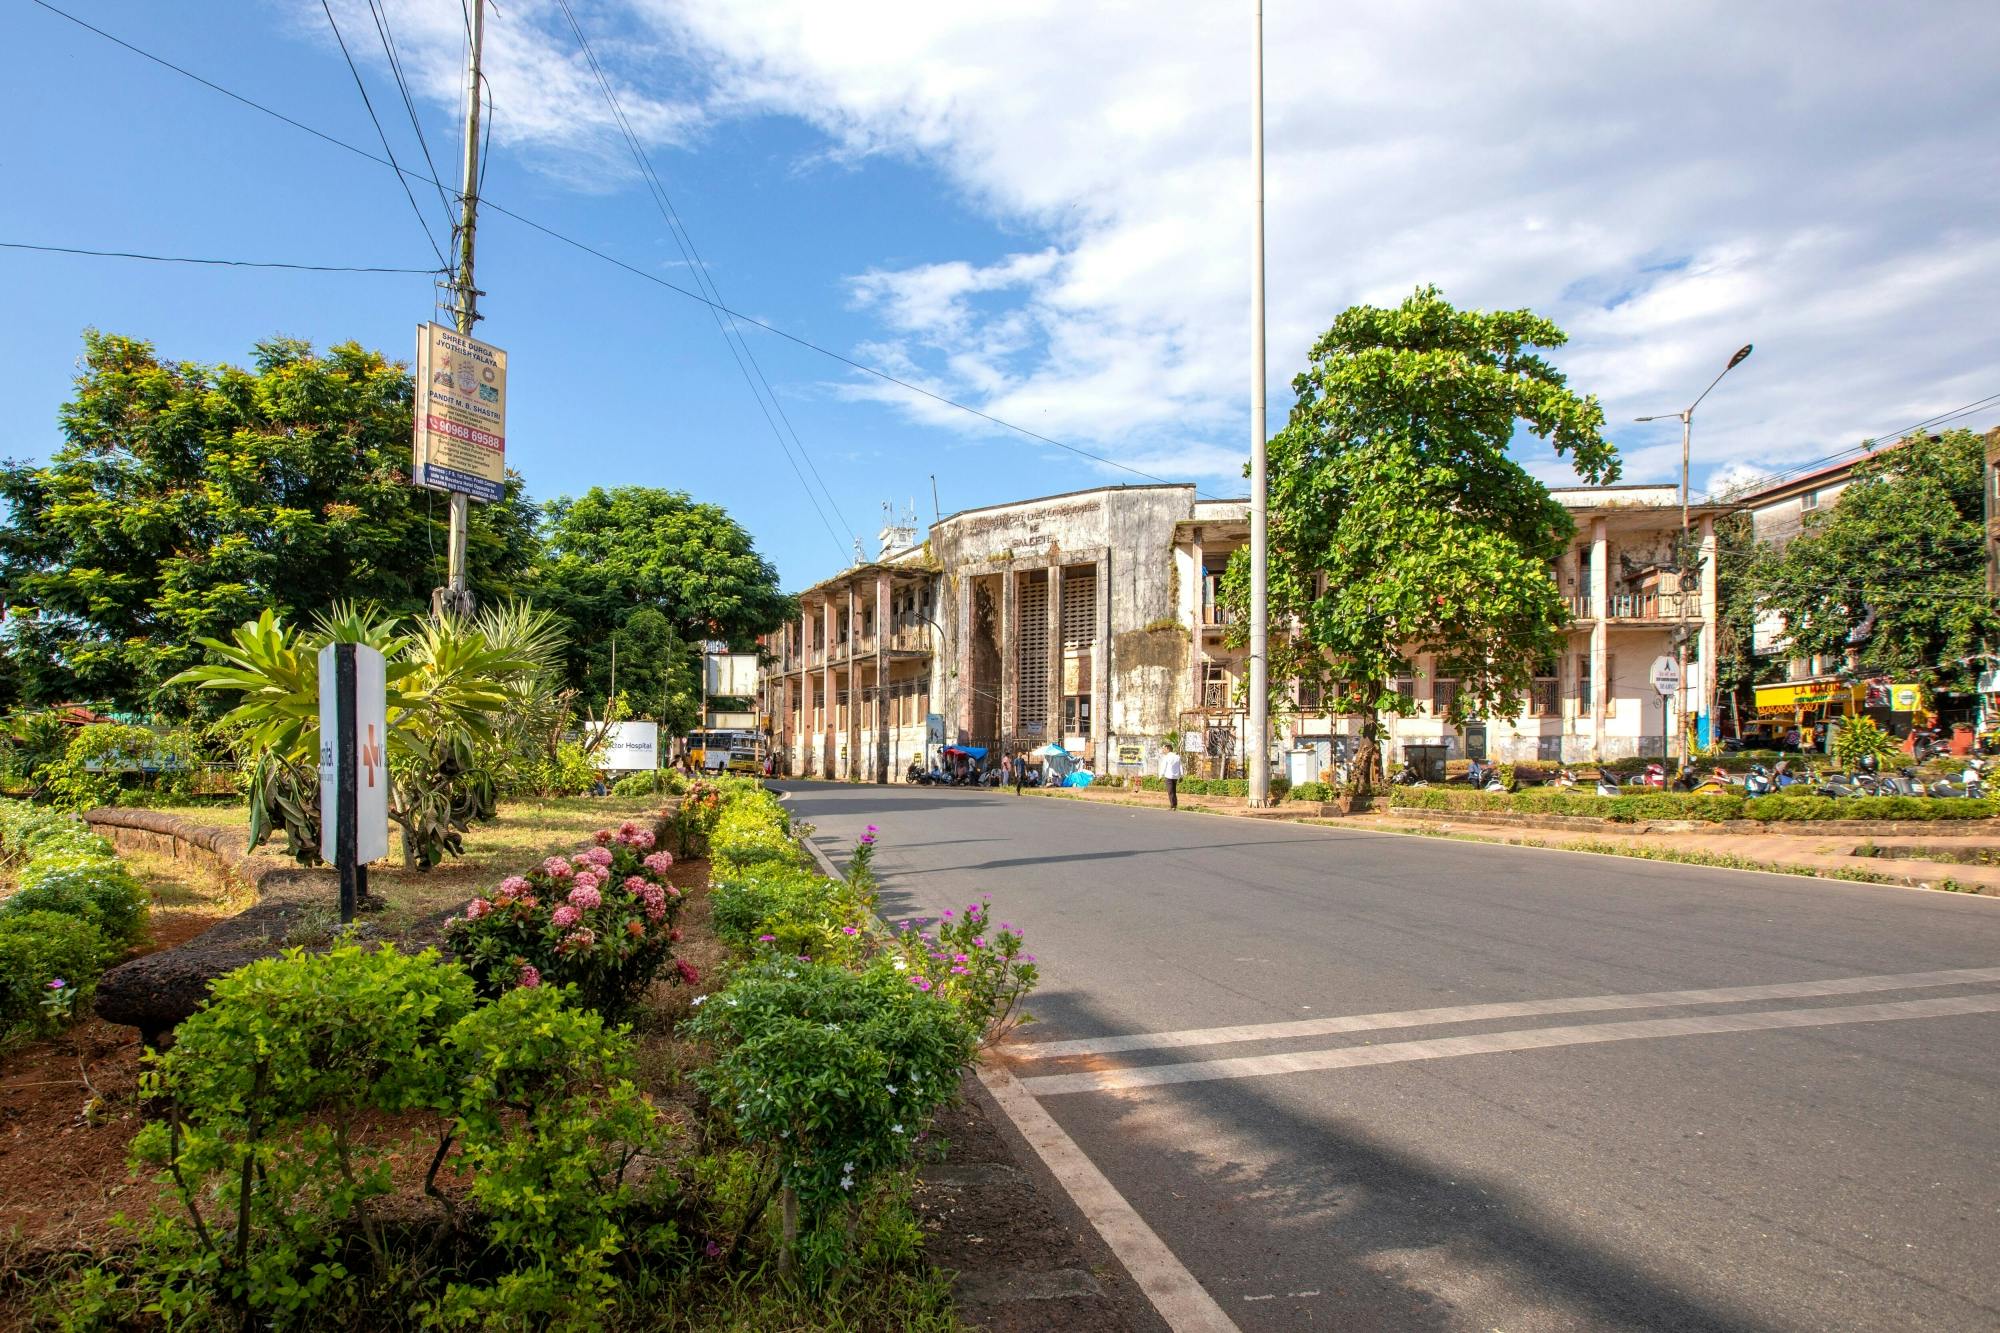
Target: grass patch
[[526, 832]]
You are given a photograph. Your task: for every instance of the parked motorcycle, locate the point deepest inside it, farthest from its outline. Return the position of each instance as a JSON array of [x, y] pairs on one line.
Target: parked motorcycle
[[1758, 781]]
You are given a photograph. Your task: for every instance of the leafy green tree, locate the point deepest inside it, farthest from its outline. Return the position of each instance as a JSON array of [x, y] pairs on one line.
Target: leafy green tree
[[1896, 570], [658, 671], [610, 553], [1400, 525], [1739, 557], [186, 499]]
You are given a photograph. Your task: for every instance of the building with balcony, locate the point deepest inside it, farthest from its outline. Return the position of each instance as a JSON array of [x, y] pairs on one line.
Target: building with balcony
[[1093, 619]]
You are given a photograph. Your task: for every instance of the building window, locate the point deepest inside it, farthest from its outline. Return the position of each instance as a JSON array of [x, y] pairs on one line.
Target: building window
[[1309, 696], [1809, 501], [1215, 686], [1586, 698], [1406, 688], [1542, 697], [1549, 749], [1444, 694]]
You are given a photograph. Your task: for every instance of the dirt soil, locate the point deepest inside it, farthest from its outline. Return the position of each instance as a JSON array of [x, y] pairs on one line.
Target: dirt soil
[[1024, 1260]]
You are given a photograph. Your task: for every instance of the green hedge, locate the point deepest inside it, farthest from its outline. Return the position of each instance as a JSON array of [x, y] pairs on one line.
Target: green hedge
[[75, 910], [1212, 786], [38, 949], [1687, 805]]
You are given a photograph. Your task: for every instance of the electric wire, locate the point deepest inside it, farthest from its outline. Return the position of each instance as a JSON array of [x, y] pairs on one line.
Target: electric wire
[[614, 261], [221, 263], [1868, 445], [685, 244], [381, 133], [684, 239], [388, 40]]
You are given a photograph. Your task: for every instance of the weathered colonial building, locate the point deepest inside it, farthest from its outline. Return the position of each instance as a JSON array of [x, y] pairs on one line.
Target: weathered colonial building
[[1093, 619]]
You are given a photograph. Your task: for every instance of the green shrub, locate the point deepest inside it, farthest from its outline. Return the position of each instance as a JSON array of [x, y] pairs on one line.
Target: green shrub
[[659, 782], [103, 757], [750, 833], [548, 1120], [1201, 786], [695, 816], [975, 963], [1314, 791], [793, 910], [38, 949], [1817, 808], [834, 1073], [97, 888], [279, 1215]]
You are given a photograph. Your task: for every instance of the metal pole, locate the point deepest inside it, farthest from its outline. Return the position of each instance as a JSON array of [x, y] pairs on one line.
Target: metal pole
[[346, 817], [1260, 693], [466, 308], [1680, 561]]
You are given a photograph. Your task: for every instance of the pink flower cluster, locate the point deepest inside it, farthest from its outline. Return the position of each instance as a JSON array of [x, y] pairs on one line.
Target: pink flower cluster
[[557, 868], [513, 887], [585, 895], [566, 916], [659, 862], [477, 908], [655, 900]]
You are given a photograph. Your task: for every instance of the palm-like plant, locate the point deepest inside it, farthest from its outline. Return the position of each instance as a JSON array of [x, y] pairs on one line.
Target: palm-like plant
[[449, 691]]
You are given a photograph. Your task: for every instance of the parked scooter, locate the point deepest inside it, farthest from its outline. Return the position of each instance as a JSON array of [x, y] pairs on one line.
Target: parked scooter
[[1482, 776], [1758, 781], [1606, 784]]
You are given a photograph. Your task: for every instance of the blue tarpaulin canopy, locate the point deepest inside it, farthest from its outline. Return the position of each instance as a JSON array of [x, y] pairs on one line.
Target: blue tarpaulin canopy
[[975, 751]]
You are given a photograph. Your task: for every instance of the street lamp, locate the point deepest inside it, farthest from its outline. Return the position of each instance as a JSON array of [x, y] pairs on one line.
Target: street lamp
[[1686, 416]]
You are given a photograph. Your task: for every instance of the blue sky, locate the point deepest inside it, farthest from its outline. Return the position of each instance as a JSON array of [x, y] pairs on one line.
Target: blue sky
[[1035, 209]]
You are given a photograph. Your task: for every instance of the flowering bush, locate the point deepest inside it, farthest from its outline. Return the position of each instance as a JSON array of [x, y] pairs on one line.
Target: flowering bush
[[792, 912], [601, 921], [974, 962], [695, 817], [750, 834], [861, 865]]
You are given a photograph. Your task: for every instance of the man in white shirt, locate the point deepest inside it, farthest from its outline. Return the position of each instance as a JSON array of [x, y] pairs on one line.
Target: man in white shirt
[[1170, 773]]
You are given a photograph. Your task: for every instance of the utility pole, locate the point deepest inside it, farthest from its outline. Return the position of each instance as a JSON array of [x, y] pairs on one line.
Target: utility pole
[[1260, 627], [456, 597]]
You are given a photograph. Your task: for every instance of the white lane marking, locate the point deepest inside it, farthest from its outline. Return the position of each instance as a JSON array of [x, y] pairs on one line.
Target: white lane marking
[[1473, 1013], [1182, 1302], [1348, 1057]]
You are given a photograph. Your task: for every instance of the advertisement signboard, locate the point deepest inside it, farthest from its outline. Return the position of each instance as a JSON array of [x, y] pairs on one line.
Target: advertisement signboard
[[732, 675], [460, 437], [631, 747]]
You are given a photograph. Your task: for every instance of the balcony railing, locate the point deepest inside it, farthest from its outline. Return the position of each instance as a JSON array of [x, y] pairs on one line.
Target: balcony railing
[[1642, 606], [1217, 615]]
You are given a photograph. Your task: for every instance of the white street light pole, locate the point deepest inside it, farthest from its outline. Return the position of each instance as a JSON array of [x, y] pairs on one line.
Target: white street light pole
[[1686, 416], [1259, 749]]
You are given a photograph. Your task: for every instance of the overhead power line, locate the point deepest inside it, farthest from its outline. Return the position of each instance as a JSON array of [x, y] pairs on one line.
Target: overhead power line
[[1868, 445], [613, 260], [388, 40], [221, 263], [381, 134], [732, 338]]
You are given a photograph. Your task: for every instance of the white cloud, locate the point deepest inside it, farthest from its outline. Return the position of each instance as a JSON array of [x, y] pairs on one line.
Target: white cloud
[[1667, 182]]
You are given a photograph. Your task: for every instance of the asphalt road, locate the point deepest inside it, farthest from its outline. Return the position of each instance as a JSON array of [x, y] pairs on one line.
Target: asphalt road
[[1585, 1154]]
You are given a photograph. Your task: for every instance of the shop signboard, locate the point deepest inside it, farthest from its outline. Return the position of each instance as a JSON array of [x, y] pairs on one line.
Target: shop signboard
[[460, 436], [1801, 696], [631, 747]]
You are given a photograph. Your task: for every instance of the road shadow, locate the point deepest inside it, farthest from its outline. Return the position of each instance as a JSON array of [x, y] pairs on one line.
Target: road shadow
[[1385, 1238]]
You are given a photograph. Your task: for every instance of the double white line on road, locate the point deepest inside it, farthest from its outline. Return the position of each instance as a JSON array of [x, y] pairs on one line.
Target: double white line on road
[[1347, 1057]]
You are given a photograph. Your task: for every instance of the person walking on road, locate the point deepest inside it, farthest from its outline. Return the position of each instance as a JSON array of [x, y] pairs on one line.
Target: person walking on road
[[1170, 773], [1020, 767]]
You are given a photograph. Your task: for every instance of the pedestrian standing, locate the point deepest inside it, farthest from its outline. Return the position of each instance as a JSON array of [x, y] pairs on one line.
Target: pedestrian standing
[[1170, 773], [1020, 767]]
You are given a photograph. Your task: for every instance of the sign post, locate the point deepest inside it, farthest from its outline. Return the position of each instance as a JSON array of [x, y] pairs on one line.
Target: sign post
[[353, 766], [1666, 676]]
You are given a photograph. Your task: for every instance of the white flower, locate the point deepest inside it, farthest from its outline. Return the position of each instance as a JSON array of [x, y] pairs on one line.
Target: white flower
[[847, 1182], [895, 1129], [847, 1167], [891, 1087], [902, 965], [700, 1000]]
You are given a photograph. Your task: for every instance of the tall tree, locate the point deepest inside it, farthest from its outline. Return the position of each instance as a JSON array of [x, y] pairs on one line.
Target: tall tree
[[186, 499], [1896, 571], [1400, 525], [611, 553]]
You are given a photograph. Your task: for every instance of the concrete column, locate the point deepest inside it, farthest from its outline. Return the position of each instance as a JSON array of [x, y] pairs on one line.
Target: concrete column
[[1197, 657], [827, 698], [1010, 658], [1711, 643], [1100, 668], [882, 677], [963, 652], [805, 688], [1054, 729], [1600, 605], [855, 764]]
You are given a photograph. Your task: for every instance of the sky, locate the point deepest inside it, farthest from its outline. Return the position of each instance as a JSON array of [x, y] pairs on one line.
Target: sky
[[1038, 211]]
